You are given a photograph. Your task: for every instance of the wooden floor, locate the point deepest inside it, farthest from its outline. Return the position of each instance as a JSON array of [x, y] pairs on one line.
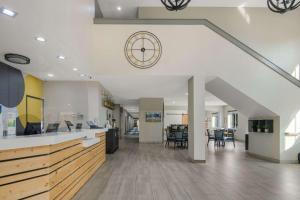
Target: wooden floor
[[149, 171]]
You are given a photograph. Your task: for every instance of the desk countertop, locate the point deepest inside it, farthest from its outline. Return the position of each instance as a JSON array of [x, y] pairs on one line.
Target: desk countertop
[[15, 142]]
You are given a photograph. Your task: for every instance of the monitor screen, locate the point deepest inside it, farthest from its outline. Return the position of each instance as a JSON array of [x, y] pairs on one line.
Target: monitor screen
[[33, 128]]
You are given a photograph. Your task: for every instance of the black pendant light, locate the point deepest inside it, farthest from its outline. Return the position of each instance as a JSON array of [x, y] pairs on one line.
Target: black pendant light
[[282, 6], [174, 5]]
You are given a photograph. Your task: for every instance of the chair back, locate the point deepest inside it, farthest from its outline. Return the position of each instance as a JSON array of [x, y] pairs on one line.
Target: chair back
[[219, 134], [174, 128], [179, 135], [170, 135], [207, 132]]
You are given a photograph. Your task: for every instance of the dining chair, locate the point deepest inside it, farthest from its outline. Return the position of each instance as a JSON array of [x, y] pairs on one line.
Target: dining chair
[[230, 136], [185, 138], [170, 138], [219, 138], [210, 137], [178, 138]]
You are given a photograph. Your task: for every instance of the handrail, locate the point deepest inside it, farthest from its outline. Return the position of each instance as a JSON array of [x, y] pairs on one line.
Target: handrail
[[212, 27]]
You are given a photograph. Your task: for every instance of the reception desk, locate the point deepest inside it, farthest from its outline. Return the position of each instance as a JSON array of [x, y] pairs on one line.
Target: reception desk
[[49, 166]]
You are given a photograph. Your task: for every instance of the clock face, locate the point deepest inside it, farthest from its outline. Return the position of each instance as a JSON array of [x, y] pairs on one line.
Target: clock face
[[143, 49]]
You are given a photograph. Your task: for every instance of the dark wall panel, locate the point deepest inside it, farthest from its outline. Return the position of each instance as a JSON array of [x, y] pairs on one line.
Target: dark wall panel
[[12, 86]]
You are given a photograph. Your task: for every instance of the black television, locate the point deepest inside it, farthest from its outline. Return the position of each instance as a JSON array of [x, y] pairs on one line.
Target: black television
[[33, 128]]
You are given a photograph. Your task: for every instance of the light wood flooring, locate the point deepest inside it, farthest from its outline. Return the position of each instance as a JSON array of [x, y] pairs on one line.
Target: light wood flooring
[[150, 171]]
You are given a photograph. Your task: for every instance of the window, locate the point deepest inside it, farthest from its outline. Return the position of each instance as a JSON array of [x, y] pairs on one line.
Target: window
[[296, 72], [215, 120], [232, 119], [294, 126]]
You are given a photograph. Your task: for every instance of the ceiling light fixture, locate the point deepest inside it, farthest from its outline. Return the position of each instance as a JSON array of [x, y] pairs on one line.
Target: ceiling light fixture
[[119, 8], [283, 6], [175, 5], [75, 69], [8, 12], [82, 75], [61, 57], [17, 59], [51, 75], [186, 93], [40, 39]]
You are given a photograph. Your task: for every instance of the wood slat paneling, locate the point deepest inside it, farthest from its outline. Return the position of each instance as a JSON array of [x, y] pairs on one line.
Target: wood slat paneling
[[23, 152], [24, 188], [60, 174], [58, 189], [65, 169], [75, 186]]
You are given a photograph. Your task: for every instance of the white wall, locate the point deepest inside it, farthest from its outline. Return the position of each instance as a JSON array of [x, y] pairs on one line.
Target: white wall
[[117, 115], [64, 98], [173, 114], [150, 132], [273, 35]]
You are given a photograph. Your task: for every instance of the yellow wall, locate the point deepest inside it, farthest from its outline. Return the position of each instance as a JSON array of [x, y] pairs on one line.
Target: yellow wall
[[33, 87]]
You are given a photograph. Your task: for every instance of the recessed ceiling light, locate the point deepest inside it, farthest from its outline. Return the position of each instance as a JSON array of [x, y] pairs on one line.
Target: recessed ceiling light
[[40, 39], [82, 75], [119, 8], [61, 57], [51, 75], [75, 69], [8, 12]]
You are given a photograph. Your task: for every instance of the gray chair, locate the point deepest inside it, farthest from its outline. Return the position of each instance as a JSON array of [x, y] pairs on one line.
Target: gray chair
[[219, 138], [210, 137], [230, 136], [179, 139]]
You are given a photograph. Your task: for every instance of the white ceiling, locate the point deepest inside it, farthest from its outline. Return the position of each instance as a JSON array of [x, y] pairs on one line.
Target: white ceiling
[[129, 7], [126, 90]]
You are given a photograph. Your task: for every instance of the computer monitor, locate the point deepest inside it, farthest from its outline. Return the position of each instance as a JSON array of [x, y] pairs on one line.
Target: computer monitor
[[78, 126], [52, 128], [92, 125], [69, 124], [33, 128]]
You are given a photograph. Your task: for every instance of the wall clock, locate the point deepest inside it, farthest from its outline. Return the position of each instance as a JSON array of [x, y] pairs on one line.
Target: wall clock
[[143, 49]]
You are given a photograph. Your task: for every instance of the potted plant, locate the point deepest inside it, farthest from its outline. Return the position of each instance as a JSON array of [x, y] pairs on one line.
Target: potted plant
[[258, 129], [266, 128]]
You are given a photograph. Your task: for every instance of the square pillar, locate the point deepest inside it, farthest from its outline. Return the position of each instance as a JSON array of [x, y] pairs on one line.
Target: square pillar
[[196, 111]]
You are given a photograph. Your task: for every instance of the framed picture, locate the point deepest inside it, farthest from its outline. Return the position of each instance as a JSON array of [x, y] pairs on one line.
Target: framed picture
[[153, 116]]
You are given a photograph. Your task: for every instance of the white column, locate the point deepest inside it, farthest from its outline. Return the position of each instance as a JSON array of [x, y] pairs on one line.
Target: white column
[[196, 109]]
